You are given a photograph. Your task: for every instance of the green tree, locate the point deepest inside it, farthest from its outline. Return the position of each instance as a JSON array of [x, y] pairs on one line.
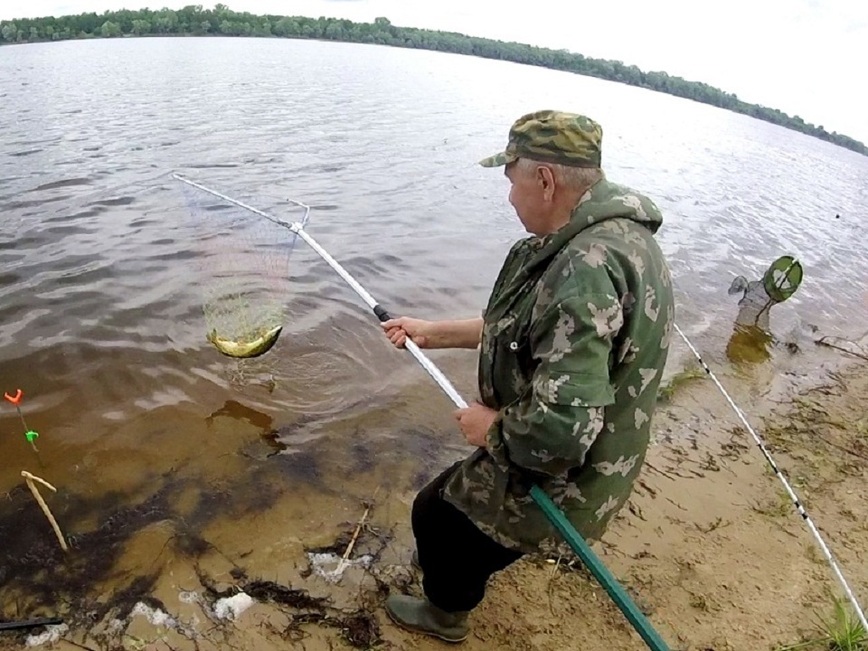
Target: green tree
[[166, 22], [263, 28], [334, 32], [110, 29], [141, 27], [9, 32], [286, 27]]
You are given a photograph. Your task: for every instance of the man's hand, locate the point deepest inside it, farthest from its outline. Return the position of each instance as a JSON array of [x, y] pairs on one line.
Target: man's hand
[[418, 330], [475, 420], [463, 333]]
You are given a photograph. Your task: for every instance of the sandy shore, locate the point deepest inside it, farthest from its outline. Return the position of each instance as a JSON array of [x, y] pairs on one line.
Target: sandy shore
[[710, 548]]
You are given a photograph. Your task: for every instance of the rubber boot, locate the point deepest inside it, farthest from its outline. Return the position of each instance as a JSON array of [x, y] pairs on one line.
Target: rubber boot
[[421, 616]]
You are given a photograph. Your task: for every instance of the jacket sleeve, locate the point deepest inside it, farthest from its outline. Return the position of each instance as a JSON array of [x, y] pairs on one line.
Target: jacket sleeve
[[550, 429]]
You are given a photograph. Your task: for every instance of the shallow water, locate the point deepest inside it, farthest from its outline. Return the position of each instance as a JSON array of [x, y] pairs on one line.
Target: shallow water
[[105, 265]]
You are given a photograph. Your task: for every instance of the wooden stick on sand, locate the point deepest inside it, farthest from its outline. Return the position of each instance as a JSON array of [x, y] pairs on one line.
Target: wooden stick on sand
[[356, 534], [30, 479]]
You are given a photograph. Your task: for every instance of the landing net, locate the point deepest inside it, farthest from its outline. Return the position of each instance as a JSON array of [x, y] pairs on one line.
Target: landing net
[[242, 265]]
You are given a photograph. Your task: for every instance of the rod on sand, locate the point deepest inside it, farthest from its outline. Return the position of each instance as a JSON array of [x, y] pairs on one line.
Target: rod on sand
[[30, 623], [774, 466], [792, 494], [601, 573]]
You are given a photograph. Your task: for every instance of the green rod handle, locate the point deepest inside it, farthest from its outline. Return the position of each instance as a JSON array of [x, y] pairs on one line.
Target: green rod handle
[[601, 573]]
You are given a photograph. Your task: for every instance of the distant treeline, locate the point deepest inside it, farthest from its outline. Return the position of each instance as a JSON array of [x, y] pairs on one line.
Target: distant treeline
[[196, 21]]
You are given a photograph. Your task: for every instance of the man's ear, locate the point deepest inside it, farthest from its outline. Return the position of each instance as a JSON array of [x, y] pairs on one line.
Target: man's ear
[[546, 180]]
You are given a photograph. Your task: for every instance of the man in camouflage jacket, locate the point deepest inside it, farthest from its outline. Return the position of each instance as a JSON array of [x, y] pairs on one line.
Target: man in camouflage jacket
[[573, 343]]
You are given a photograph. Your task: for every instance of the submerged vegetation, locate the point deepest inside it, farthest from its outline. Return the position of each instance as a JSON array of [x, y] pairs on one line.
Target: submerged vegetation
[[193, 20]]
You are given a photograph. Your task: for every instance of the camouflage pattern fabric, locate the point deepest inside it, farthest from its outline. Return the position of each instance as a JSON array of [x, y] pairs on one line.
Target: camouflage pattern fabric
[[552, 137], [575, 337]]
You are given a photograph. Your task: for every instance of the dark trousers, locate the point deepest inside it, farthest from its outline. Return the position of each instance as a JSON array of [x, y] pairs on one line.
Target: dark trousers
[[457, 559]]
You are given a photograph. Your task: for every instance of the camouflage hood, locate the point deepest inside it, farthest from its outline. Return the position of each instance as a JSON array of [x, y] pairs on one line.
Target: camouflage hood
[[604, 201]]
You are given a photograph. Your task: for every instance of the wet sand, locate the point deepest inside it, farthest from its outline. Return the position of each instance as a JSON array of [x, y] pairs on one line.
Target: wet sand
[[709, 546]]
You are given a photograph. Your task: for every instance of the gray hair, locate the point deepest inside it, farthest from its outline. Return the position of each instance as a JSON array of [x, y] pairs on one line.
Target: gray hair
[[573, 178]]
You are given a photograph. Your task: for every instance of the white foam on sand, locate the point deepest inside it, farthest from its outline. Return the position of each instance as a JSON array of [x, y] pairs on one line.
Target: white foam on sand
[[50, 636], [233, 606], [331, 567], [155, 616]]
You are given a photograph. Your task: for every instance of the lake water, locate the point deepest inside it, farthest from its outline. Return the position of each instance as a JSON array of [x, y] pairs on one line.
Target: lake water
[[101, 293]]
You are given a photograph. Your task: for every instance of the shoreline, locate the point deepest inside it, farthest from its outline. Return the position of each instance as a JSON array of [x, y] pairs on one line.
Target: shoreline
[[491, 49], [708, 545]]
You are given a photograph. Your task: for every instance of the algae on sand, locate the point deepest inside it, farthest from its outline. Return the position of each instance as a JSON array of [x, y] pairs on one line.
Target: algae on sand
[[688, 374]]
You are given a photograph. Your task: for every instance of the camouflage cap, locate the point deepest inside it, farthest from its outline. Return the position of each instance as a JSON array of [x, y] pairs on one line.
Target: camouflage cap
[[552, 137]]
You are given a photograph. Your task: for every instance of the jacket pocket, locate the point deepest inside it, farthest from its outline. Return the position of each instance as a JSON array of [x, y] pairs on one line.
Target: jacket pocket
[[511, 363]]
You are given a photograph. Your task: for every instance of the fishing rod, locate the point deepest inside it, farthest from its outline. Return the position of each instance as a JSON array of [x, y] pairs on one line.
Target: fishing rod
[[790, 492], [31, 623], [557, 518], [778, 293], [382, 315]]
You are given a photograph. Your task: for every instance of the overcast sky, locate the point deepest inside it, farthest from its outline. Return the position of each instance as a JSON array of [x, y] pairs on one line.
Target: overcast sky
[[803, 57]]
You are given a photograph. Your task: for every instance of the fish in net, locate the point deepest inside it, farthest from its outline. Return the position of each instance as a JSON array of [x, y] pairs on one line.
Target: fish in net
[[242, 265]]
